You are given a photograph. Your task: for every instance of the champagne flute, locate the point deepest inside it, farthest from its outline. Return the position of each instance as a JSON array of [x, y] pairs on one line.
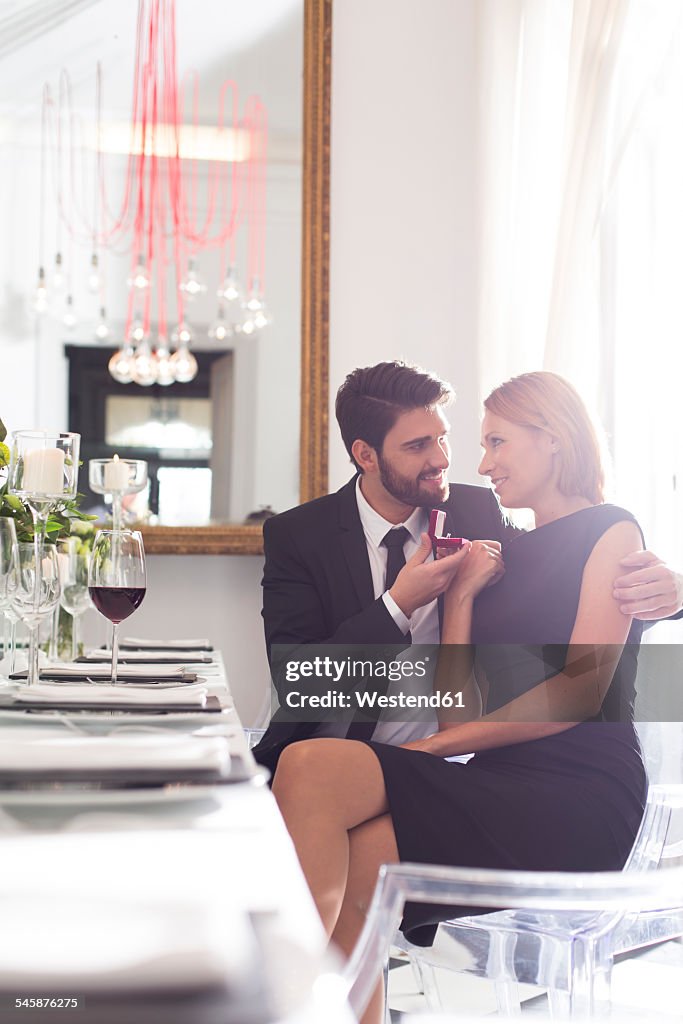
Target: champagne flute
[[74, 564], [117, 580]]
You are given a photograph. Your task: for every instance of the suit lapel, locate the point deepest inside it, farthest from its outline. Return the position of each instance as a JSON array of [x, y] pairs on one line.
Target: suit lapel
[[447, 507], [353, 545]]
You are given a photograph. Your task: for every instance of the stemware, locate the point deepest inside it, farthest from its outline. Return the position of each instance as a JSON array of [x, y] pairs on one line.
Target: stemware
[[117, 477], [74, 563], [117, 580], [43, 472], [35, 595], [8, 567]]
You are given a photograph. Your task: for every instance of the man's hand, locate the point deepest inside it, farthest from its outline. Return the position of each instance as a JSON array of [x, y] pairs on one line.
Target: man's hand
[[649, 589], [419, 581]]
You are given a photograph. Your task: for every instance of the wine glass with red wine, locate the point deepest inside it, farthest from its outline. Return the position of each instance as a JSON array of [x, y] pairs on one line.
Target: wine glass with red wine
[[117, 579]]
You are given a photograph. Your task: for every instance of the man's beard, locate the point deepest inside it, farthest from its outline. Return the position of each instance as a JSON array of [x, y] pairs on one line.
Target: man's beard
[[417, 493]]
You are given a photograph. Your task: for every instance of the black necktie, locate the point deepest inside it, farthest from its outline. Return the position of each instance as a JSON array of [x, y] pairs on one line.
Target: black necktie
[[393, 541]]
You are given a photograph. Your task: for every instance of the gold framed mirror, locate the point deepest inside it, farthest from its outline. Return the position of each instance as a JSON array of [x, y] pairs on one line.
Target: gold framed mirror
[[235, 539]]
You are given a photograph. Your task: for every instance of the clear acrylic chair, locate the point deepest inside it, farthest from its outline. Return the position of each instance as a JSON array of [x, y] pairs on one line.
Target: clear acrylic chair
[[253, 736], [254, 733], [561, 931]]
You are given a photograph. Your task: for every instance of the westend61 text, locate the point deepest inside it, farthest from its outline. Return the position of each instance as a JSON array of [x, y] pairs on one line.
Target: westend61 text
[[339, 699]]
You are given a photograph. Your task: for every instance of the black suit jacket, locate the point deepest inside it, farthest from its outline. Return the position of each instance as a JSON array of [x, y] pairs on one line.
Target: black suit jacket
[[317, 583]]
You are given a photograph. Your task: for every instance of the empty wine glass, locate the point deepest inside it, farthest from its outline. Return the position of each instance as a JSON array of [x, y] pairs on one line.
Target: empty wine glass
[[117, 579], [74, 563], [8, 565], [35, 595]]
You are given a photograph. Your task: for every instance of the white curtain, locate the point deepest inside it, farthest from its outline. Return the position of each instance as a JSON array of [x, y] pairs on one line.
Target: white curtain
[[523, 55], [550, 152], [643, 308], [581, 215]]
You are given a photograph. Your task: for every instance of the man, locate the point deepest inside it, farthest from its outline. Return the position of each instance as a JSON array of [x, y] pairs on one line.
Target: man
[[334, 571]]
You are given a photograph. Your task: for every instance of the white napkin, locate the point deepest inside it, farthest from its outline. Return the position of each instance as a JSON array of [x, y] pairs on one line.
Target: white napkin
[[67, 670], [150, 656], [127, 753], [194, 694], [165, 645]]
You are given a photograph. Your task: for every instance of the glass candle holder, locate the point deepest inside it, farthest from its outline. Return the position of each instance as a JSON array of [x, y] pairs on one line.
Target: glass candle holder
[[43, 472], [117, 477]]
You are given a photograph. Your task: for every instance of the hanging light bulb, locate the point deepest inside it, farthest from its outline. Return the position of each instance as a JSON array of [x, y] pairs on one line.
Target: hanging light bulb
[[144, 365], [231, 290], [121, 364], [94, 278], [192, 285], [58, 275], [182, 335], [165, 367], [102, 329], [140, 277], [220, 330], [184, 365], [262, 318], [69, 319], [137, 332], [256, 313], [40, 294]]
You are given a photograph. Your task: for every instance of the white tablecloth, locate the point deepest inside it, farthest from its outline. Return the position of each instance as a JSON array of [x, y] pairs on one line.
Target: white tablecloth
[[171, 888]]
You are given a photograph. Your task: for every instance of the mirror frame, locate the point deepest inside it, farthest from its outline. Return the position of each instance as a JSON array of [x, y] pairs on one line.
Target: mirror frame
[[236, 539]]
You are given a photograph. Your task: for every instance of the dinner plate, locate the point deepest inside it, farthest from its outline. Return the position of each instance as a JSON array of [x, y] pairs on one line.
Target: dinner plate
[[106, 718], [103, 798]]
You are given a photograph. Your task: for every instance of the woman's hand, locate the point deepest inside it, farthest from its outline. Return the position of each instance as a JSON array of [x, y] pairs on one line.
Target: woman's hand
[[481, 567], [446, 742], [422, 745]]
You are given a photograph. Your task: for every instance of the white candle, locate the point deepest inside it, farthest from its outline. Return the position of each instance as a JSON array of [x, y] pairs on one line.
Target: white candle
[[116, 475], [44, 471]]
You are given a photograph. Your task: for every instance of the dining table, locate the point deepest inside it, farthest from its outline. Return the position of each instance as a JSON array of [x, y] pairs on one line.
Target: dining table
[[145, 871]]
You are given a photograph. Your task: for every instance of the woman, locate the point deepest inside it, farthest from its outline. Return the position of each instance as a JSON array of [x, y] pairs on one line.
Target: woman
[[557, 781]]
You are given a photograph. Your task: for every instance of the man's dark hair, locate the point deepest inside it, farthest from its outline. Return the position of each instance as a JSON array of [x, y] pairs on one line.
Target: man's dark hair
[[373, 397]]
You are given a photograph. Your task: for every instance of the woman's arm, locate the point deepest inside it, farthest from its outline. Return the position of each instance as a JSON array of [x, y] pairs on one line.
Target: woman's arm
[[576, 693], [482, 565]]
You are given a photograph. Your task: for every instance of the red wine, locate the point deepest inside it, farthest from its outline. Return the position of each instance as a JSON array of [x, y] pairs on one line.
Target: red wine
[[117, 603]]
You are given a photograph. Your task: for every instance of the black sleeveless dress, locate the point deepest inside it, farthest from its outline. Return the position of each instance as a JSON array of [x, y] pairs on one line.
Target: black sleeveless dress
[[570, 802]]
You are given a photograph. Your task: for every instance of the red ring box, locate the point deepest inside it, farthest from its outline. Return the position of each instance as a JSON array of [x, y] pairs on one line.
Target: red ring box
[[440, 544]]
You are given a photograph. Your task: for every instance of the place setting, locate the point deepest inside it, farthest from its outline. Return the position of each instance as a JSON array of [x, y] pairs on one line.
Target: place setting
[[117, 584], [96, 725]]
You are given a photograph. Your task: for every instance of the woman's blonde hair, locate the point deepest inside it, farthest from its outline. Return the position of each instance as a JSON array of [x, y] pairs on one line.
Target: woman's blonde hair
[[549, 403]]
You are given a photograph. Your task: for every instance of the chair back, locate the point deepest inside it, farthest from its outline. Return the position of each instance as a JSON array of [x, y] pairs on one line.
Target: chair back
[[657, 841]]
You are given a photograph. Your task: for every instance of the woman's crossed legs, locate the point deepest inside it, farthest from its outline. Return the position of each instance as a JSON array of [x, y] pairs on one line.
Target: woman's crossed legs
[[331, 794]]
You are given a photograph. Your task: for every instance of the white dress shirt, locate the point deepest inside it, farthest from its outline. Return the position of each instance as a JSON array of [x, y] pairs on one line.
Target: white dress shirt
[[423, 623]]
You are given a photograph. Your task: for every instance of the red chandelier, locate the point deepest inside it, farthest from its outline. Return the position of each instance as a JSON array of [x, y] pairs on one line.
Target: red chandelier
[[158, 225]]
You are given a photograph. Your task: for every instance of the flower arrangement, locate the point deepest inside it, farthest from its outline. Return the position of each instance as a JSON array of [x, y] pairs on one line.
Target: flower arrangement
[[62, 518]]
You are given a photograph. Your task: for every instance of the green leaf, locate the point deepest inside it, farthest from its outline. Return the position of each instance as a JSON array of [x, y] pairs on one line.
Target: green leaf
[[3, 431], [16, 504]]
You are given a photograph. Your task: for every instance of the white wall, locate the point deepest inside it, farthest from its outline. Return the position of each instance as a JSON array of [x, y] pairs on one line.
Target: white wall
[[404, 191]]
